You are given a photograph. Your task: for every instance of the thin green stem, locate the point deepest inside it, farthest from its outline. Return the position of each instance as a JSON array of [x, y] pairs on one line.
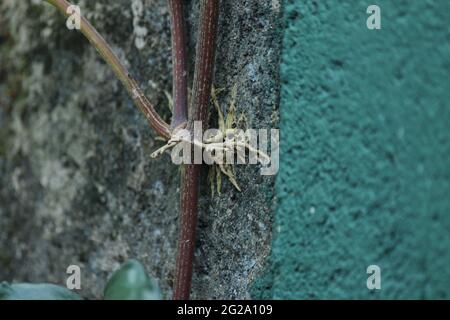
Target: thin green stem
[[155, 121]]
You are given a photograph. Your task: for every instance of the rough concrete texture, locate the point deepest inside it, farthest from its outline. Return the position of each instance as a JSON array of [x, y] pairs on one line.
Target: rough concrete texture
[[364, 174], [77, 185]]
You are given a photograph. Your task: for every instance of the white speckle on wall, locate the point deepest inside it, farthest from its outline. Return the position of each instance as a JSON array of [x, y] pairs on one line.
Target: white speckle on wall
[[140, 32], [276, 5]]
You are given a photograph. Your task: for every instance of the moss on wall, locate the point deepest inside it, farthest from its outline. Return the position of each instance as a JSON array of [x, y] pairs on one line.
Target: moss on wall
[[365, 144]]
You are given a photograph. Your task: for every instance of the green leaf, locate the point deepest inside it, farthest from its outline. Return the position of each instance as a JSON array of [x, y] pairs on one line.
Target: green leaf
[[131, 282], [28, 291]]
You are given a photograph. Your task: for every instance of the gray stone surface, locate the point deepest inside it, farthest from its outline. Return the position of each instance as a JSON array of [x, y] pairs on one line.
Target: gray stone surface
[[77, 185]]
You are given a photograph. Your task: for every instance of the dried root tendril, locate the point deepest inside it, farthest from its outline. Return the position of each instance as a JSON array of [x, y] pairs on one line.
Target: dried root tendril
[[229, 139]]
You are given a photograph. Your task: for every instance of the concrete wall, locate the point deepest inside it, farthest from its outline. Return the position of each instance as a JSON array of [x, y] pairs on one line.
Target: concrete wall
[[364, 171], [77, 184], [365, 146]]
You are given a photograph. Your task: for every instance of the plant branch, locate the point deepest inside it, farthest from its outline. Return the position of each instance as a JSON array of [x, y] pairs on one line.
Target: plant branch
[[204, 66], [179, 90], [155, 121], [204, 61], [190, 176]]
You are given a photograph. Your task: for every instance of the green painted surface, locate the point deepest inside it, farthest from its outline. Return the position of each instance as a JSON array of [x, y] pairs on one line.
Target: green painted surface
[[365, 146]]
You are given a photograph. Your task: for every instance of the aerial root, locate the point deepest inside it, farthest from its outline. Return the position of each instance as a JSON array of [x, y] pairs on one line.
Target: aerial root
[[224, 146]]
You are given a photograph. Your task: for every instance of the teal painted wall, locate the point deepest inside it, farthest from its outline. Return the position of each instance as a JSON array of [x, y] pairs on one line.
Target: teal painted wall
[[365, 146]]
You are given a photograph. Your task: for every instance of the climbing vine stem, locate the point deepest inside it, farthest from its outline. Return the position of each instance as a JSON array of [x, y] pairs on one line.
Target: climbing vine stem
[[141, 101], [201, 93], [179, 60], [203, 74]]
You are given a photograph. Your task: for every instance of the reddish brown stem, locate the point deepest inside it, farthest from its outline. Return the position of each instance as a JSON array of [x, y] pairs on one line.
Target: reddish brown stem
[[188, 225], [179, 90], [204, 66], [204, 61]]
